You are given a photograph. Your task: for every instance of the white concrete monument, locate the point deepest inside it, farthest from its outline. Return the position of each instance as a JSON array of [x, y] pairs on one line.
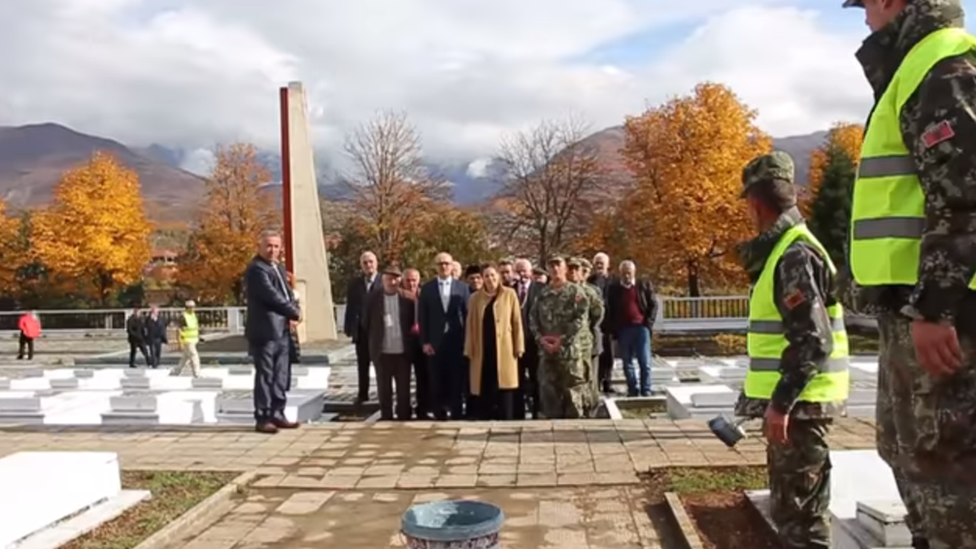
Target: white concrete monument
[[304, 243]]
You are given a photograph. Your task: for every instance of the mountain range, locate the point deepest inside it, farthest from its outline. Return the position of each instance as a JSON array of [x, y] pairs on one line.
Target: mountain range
[[33, 157]]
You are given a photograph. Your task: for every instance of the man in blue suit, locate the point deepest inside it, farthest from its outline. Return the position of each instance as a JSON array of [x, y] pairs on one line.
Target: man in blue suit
[[443, 309]]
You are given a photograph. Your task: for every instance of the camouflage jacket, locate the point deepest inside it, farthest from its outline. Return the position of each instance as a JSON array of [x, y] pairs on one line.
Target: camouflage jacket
[[597, 312], [946, 165], [564, 312], [802, 284]]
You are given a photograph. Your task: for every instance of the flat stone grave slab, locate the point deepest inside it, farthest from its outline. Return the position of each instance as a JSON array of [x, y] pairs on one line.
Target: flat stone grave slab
[[864, 502], [42, 488], [681, 405], [169, 408], [238, 406]]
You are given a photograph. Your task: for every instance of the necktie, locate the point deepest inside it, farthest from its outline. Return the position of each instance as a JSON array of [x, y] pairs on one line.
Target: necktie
[[521, 292]]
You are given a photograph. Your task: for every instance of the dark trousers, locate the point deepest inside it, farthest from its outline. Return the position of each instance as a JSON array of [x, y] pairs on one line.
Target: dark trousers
[[605, 368], [362, 363], [25, 343], [271, 377], [527, 395], [390, 370], [419, 363], [445, 371], [140, 345], [155, 352]]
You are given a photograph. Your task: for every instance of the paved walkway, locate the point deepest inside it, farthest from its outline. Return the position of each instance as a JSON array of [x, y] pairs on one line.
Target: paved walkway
[[566, 484]]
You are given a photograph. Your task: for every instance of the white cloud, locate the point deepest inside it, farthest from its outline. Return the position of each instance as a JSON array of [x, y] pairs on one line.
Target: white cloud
[[206, 71]]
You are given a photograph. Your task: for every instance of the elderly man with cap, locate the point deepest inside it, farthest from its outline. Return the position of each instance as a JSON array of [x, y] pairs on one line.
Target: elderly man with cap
[[798, 358], [390, 316], [913, 256], [560, 323]]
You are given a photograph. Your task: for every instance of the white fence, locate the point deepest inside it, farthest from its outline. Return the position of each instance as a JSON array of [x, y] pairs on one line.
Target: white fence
[[675, 314]]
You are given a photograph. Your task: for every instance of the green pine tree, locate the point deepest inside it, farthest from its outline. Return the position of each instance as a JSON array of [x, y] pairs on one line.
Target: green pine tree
[[830, 215]]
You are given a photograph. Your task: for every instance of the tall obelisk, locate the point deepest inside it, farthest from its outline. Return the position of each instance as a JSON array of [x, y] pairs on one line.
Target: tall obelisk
[[304, 243]]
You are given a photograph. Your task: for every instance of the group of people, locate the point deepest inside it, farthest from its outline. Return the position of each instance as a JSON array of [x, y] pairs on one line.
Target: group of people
[[498, 341], [912, 265], [147, 333]]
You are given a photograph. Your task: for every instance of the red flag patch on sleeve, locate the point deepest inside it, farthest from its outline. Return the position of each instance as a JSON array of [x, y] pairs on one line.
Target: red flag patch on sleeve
[[938, 133], [793, 299]]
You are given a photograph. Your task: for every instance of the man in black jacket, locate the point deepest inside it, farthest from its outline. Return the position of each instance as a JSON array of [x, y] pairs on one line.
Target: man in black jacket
[[135, 330], [631, 310], [354, 325], [155, 336], [271, 310]]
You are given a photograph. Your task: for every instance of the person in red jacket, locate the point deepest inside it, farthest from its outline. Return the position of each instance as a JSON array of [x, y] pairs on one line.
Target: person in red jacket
[[30, 329]]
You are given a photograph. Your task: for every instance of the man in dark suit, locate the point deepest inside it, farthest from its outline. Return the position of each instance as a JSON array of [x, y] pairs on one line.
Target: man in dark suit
[[155, 336], [443, 311], [354, 325], [390, 315], [601, 279], [527, 290], [271, 312], [631, 311]]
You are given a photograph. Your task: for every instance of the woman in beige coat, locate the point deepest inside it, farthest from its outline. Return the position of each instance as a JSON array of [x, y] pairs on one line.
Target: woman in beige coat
[[493, 343]]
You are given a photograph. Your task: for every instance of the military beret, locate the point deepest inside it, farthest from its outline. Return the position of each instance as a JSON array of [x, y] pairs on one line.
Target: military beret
[[768, 167], [574, 262]]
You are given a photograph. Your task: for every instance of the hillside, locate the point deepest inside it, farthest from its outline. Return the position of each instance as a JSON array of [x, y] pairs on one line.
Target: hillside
[[33, 157]]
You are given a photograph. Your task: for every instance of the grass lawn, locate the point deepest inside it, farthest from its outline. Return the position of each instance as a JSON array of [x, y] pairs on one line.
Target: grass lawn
[[173, 494]]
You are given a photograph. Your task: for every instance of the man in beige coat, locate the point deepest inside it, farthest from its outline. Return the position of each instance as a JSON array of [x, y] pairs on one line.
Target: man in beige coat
[[493, 343]]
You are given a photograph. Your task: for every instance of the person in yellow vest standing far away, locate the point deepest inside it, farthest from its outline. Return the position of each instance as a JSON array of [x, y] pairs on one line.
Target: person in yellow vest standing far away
[[187, 338], [913, 256], [798, 376]]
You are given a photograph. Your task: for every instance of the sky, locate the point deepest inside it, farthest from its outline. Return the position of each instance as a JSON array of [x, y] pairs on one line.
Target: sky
[[194, 73]]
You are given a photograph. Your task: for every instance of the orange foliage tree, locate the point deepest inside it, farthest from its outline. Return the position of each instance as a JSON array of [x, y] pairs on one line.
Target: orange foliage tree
[[11, 257], [844, 137], [394, 190], [95, 236], [687, 156], [235, 212]]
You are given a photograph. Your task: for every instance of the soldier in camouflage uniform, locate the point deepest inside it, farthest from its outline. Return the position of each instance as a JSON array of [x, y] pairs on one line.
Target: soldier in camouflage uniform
[[579, 271], [560, 323], [920, 286], [801, 284]]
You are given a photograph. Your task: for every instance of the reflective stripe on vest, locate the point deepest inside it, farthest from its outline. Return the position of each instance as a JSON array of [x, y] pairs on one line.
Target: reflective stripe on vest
[[191, 332], [767, 338], [888, 211]]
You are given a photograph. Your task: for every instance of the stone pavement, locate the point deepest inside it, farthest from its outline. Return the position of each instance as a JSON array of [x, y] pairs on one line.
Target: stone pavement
[[567, 484]]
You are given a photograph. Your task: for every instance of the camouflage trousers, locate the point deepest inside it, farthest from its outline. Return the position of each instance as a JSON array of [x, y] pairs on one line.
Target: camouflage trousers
[[925, 433], [799, 485], [566, 388]]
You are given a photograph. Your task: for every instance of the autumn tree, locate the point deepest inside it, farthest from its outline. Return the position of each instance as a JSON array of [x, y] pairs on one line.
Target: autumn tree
[[12, 256], [394, 190], [552, 184], [687, 156], [235, 211], [95, 235], [843, 137]]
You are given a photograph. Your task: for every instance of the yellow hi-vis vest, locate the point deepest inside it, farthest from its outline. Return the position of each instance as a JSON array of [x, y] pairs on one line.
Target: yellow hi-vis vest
[[888, 212], [767, 340], [191, 332]]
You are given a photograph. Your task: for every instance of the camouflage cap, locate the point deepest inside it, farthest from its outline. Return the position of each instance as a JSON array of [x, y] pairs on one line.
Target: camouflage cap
[[556, 258], [538, 271], [853, 4], [585, 263], [775, 165], [574, 262]]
